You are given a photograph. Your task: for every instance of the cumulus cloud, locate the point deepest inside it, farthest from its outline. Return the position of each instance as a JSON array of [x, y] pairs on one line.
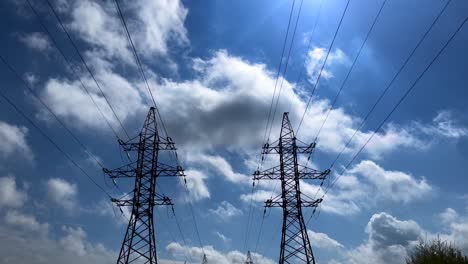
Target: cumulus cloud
[[456, 228], [316, 57], [366, 184], [14, 141], [214, 256], [396, 186], [154, 26], [322, 240], [160, 22], [62, 193], [220, 165], [10, 195], [225, 211], [230, 96], [70, 102], [100, 27], [36, 41], [388, 240], [73, 247], [444, 125], [196, 184], [25, 222]]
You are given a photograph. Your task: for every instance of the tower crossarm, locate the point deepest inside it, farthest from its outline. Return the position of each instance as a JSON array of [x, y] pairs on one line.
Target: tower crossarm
[[275, 148], [126, 171], [165, 170], [163, 143], [159, 200], [278, 202], [274, 173]]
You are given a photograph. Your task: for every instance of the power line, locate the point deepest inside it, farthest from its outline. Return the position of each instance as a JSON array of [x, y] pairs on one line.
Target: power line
[[285, 68], [301, 71], [260, 230], [399, 102], [194, 220], [279, 69], [276, 105], [139, 64], [390, 83], [69, 65], [143, 75], [86, 65], [261, 158], [31, 90], [182, 235], [323, 66], [344, 82], [68, 157], [350, 69]]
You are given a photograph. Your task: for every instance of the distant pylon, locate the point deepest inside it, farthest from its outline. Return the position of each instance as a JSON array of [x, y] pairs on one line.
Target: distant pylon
[[249, 258], [205, 260], [295, 244], [139, 242]]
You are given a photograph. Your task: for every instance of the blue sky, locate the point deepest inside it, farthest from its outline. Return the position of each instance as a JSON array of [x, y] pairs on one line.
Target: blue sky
[[212, 68]]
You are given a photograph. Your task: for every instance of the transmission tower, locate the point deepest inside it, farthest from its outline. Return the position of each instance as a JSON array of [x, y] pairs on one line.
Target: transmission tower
[[205, 260], [139, 242], [295, 243], [249, 258]]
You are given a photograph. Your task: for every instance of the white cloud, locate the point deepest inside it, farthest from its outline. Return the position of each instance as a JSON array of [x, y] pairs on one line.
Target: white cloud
[[444, 125], [10, 195], [74, 240], [69, 101], [449, 216], [456, 228], [388, 241], [14, 141], [220, 164], [316, 57], [396, 186], [214, 256], [36, 41], [196, 185], [31, 78], [155, 26], [72, 248], [26, 222], [364, 185], [322, 240], [225, 211], [62, 193], [99, 26], [222, 237], [160, 23]]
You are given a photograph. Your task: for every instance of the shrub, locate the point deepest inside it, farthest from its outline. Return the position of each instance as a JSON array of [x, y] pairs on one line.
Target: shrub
[[436, 252]]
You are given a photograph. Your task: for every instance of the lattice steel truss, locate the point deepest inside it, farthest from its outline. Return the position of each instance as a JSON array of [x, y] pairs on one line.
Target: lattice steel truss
[[295, 243], [139, 242], [249, 258]]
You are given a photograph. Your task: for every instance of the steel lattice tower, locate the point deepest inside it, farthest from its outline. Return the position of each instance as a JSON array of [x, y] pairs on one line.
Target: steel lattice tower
[[249, 258], [139, 242], [295, 243]]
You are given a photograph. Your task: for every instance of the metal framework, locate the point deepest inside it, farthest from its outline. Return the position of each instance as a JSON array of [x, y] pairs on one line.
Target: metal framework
[[249, 258], [295, 243], [139, 242]]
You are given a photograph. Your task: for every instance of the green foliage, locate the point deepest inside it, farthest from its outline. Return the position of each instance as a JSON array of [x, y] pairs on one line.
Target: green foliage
[[436, 252]]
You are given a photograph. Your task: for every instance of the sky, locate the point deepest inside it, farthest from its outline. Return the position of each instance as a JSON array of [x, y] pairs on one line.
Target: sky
[[212, 67]]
